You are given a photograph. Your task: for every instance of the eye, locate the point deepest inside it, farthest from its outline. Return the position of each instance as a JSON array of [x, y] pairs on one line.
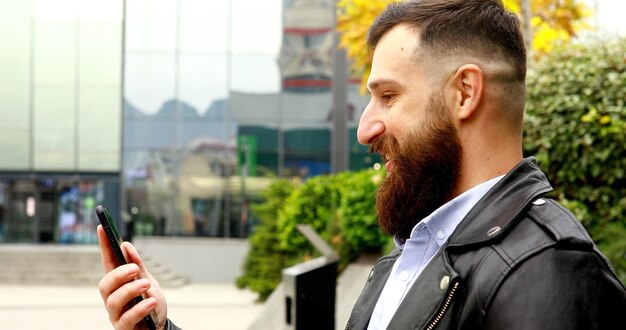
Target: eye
[[387, 97]]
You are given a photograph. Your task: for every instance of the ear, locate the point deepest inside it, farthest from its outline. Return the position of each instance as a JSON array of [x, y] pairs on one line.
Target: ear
[[468, 84]]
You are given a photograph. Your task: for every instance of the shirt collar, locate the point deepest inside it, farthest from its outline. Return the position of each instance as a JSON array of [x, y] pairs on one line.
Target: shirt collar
[[442, 222]]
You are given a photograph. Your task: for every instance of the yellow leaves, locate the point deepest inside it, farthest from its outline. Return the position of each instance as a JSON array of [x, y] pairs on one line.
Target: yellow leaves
[[605, 120], [512, 5], [546, 37], [354, 18], [553, 22], [593, 115], [590, 116]]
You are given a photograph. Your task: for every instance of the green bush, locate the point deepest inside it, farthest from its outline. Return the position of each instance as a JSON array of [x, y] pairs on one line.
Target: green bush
[[576, 127], [314, 203], [340, 207], [357, 213], [265, 260]]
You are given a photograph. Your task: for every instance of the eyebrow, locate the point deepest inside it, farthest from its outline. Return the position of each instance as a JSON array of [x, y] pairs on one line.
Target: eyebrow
[[373, 85]]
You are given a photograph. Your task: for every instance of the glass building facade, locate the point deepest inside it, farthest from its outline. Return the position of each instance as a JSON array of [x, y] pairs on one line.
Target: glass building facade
[[176, 114], [60, 117]]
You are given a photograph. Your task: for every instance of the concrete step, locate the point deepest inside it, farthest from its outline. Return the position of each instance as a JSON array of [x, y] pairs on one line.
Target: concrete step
[[59, 264]]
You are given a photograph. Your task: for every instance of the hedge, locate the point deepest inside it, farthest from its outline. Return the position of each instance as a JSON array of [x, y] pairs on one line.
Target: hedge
[[575, 125], [340, 207]]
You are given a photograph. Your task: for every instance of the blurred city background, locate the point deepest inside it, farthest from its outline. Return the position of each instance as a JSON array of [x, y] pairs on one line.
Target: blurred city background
[[177, 115], [174, 114]]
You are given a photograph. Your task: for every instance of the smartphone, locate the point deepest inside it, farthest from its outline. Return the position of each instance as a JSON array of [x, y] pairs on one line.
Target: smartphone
[[115, 240]]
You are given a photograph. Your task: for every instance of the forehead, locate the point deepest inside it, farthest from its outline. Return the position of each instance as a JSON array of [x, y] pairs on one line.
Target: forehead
[[395, 55]]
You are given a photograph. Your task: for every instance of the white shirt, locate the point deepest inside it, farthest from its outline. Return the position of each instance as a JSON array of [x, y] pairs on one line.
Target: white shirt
[[426, 239]]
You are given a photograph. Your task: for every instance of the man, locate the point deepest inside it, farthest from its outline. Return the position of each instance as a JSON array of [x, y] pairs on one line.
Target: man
[[477, 245]]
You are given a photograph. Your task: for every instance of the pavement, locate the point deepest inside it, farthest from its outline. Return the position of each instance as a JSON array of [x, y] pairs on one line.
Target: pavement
[[193, 306]]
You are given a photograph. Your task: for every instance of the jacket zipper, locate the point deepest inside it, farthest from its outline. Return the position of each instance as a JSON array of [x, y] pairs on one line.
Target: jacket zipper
[[444, 308]]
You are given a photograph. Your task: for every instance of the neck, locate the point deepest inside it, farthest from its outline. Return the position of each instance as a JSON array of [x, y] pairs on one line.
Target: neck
[[481, 165]]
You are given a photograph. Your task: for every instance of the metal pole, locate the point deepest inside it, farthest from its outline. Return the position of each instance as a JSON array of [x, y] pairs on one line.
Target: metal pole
[[121, 145], [227, 192], [243, 176], [339, 133]]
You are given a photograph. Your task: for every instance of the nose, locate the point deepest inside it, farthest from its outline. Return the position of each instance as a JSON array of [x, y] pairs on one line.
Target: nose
[[370, 125]]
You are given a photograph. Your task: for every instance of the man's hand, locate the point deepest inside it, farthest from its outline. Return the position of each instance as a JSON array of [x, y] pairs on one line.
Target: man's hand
[[121, 284]]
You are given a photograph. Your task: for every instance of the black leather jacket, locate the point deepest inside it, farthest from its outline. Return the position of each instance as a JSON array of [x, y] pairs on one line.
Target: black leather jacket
[[516, 261]]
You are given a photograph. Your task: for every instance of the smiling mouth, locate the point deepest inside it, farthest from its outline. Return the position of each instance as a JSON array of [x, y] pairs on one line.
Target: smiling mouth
[[387, 161], [389, 165]]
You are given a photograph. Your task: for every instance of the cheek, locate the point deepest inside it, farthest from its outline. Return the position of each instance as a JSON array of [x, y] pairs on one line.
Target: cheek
[[407, 114], [401, 126]]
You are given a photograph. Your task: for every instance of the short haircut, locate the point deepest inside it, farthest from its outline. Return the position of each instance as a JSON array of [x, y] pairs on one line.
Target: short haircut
[[475, 28]]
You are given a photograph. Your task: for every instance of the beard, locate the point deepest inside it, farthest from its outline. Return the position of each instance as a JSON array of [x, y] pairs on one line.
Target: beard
[[424, 173]]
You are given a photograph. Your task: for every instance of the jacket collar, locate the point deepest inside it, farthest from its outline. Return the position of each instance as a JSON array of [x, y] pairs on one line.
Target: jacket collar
[[494, 214]]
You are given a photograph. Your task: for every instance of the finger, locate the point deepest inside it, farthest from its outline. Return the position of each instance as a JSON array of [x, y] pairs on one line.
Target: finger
[[131, 254], [134, 315], [119, 300], [116, 278], [106, 253]]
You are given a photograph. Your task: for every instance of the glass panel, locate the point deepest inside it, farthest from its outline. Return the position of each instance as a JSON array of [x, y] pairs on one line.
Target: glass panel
[[149, 83], [15, 84], [76, 220], [54, 128], [356, 104], [256, 109], [149, 182], [15, 36], [306, 149], [101, 11], [150, 25], [60, 10], [99, 129], [55, 53], [313, 109], [262, 149], [14, 147], [14, 117], [100, 59], [203, 80], [14, 96], [19, 225], [205, 134], [149, 133], [203, 26], [257, 27], [255, 74]]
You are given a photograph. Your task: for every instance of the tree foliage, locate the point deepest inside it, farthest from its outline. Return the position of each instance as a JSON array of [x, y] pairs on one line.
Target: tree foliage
[[552, 22], [576, 127], [353, 22]]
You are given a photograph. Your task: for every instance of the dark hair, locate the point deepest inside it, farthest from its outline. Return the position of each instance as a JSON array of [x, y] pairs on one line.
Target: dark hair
[[482, 28]]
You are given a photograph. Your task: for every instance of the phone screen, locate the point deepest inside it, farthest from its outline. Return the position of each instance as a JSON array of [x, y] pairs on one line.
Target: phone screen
[[115, 241]]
